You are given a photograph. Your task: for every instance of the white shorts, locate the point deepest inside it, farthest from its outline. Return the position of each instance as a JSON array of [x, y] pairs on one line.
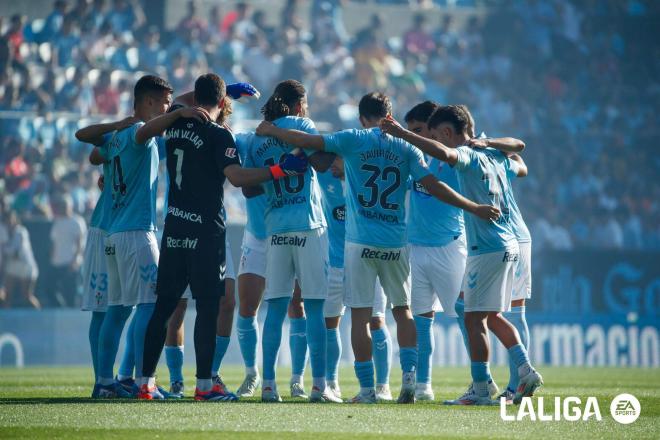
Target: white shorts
[[95, 273], [363, 264], [253, 255], [22, 270], [437, 274], [334, 304], [297, 255], [230, 274], [488, 281], [522, 282], [132, 259]]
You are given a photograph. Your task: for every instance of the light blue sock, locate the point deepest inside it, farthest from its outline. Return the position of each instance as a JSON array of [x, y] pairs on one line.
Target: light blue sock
[[109, 336], [272, 334], [94, 330], [127, 363], [459, 307], [408, 359], [333, 338], [382, 353], [425, 345], [517, 318], [365, 373], [518, 354], [480, 371], [221, 344], [298, 344], [174, 360], [141, 318], [247, 330], [316, 336]]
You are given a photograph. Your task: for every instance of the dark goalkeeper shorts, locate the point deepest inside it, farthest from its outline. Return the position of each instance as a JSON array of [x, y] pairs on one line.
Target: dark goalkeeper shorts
[[191, 257]]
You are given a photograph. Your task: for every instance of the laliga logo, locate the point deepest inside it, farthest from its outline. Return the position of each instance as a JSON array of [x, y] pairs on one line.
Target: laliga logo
[[569, 409], [625, 409]]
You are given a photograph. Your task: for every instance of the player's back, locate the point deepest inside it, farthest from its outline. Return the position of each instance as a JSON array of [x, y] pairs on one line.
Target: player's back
[[517, 222], [133, 180], [334, 209], [292, 203], [377, 168], [482, 177], [255, 206], [430, 221], [197, 153]]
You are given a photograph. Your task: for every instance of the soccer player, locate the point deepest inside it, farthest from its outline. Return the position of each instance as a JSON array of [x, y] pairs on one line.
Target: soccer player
[[377, 167], [200, 155], [437, 253], [334, 209], [296, 244], [130, 246], [94, 271], [522, 283], [492, 247]]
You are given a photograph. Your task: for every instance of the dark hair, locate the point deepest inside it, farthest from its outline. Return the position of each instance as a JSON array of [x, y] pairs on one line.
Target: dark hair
[[150, 85], [421, 112], [375, 105], [285, 96], [209, 89], [451, 114]]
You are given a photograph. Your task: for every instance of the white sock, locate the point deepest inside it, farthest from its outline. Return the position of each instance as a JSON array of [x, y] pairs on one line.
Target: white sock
[[106, 381], [121, 377], [268, 384], [150, 381], [319, 382], [524, 369], [204, 384], [481, 388], [297, 378], [252, 371]]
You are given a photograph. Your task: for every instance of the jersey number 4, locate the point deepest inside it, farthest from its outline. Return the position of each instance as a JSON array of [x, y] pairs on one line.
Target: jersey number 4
[[375, 196]]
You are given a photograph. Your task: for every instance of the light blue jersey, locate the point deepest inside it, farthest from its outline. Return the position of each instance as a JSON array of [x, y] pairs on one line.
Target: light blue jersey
[[377, 168], [517, 223], [255, 206], [133, 182], [101, 215], [482, 177], [430, 221], [334, 208], [293, 203]]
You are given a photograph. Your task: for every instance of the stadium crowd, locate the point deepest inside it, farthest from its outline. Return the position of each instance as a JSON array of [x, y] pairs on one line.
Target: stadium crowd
[[578, 81]]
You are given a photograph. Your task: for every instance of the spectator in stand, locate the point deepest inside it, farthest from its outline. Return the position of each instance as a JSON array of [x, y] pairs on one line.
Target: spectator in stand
[[20, 268], [76, 95], [66, 44], [68, 236], [417, 40], [106, 96]]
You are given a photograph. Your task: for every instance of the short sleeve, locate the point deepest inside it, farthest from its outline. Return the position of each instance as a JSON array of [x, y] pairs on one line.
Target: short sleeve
[[226, 153], [307, 125], [162, 151], [465, 158], [242, 141], [418, 167], [512, 168], [133, 133], [340, 142]]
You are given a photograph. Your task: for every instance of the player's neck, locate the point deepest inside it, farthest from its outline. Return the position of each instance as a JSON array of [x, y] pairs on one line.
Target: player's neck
[[214, 112], [462, 139]]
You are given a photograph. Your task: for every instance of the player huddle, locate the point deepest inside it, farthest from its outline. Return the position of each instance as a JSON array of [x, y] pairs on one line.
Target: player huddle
[[327, 229]]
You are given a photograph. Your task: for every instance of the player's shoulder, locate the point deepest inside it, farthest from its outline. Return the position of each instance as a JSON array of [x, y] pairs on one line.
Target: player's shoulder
[[297, 123], [218, 130]]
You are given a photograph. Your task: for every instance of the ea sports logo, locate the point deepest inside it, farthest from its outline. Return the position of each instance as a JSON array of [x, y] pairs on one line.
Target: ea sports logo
[[625, 408]]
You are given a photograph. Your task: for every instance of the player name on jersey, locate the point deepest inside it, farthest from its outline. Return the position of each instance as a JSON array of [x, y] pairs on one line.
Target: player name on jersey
[[177, 133]]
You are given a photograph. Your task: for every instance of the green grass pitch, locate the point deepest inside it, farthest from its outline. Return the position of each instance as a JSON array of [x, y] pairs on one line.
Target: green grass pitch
[[53, 403]]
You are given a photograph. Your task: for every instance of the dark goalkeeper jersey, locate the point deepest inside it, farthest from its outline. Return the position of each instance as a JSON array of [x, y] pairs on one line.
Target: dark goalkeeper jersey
[[197, 154]]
